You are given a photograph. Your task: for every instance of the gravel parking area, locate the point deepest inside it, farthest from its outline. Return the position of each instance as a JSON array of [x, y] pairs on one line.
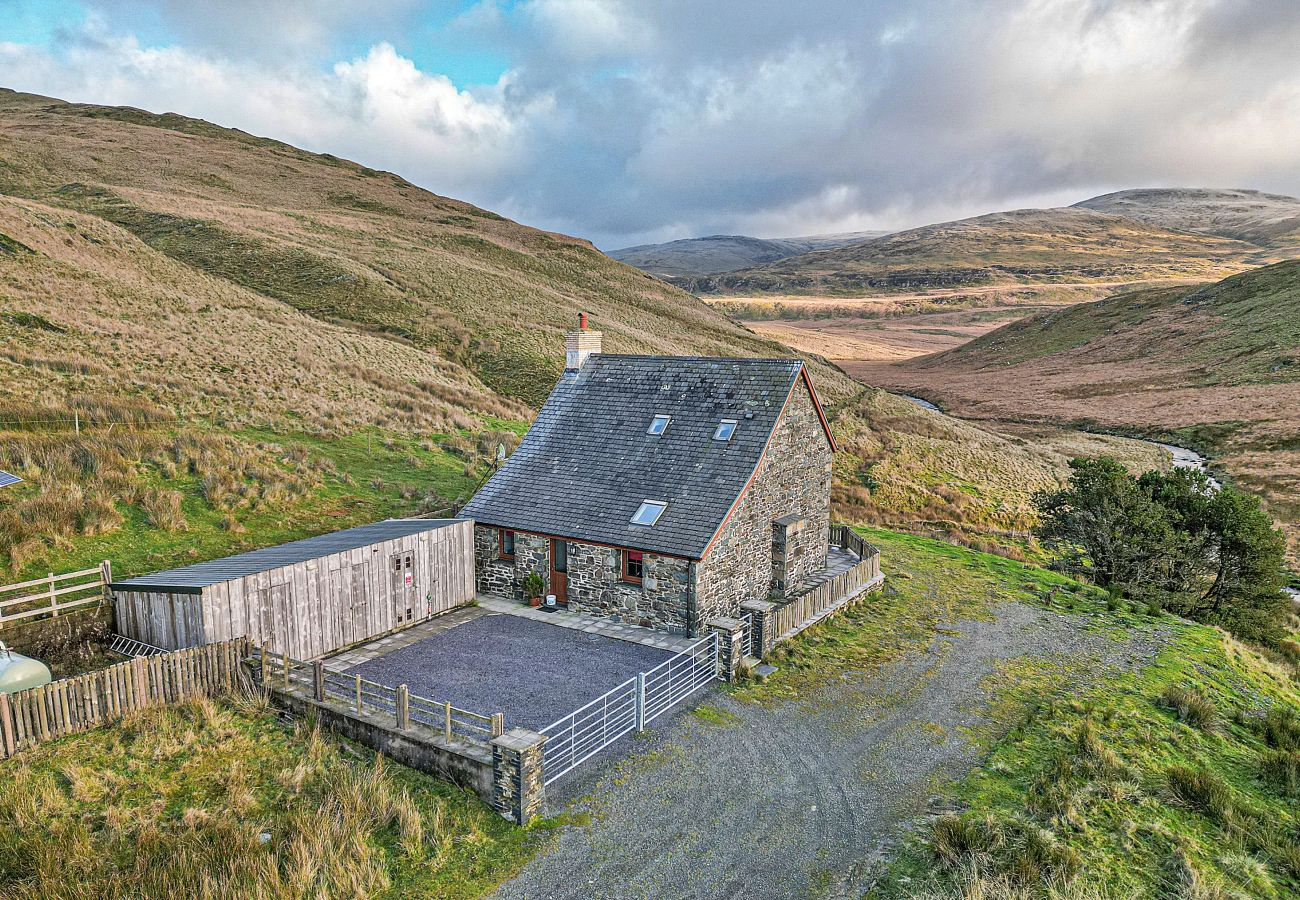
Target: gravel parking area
[[531, 671], [799, 799]]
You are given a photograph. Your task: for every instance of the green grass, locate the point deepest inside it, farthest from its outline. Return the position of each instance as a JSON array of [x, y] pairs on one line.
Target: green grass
[[929, 584], [223, 800], [357, 478], [1174, 781]]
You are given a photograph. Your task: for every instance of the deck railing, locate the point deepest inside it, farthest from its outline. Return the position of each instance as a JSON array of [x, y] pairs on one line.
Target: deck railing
[[278, 672], [794, 614]]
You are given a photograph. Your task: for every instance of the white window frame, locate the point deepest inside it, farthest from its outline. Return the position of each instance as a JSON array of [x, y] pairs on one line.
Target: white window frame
[[665, 419], [717, 432], [645, 507]]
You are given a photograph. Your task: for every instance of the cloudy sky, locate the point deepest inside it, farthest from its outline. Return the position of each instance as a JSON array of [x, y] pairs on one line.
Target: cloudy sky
[[631, 121]]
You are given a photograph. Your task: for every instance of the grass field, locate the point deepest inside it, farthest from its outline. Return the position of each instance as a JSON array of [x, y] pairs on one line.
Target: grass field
[[222, 800], [149, 500]]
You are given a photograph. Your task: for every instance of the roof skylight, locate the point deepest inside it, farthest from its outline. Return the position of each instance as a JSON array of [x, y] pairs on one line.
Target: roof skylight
[[649, 512], [726, 428], [658, 425]]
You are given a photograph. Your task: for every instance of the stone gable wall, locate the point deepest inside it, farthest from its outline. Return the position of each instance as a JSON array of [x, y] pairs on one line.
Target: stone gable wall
[[794, 478]]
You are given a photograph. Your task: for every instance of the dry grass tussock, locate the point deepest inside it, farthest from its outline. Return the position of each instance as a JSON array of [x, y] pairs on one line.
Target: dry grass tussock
[[903, 465], [192, 801], [84, 485]]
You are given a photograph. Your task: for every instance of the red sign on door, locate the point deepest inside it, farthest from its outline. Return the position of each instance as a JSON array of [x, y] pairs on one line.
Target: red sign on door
[[410, 579]]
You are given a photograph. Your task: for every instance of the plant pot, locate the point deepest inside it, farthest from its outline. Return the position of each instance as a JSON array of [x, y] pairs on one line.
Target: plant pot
[[534, 601]]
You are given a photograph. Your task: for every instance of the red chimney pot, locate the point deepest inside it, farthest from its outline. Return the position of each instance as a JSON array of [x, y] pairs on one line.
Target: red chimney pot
[[582, 321]]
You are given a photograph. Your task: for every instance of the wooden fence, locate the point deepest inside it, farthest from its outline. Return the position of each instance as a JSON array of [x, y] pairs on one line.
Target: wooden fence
[[794, 614], [356, 694], [32, 717], [54, 594]]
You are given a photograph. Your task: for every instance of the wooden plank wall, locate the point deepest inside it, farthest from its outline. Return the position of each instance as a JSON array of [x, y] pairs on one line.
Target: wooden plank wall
[[318, 606], [32, 717]]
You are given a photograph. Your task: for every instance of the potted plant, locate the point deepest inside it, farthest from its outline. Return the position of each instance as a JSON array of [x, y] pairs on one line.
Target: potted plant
[[534, 587]]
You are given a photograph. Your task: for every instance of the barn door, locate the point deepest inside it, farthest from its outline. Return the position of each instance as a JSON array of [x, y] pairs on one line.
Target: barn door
[[402, 573]]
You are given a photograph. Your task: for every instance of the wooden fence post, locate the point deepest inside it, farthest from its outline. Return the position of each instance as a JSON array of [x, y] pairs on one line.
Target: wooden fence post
[[6, 726], [403, 707], [54, 600], [285, 658], [498, 724], [318, 680], [446, 720], [265, 669], [359, 695], [106, 578]]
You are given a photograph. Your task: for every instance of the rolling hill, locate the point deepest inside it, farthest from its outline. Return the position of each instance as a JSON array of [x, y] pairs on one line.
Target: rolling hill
[[1216, 366], [441, 282], [211, 341], [1068, 246], [717, 253]]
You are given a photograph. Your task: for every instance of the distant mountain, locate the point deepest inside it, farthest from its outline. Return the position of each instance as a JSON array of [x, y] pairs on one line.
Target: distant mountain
[[726, 252], [1028, 246], [1269, 220]]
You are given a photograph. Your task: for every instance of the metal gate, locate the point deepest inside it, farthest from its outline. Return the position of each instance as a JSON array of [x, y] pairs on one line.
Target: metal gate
[[629, 707]]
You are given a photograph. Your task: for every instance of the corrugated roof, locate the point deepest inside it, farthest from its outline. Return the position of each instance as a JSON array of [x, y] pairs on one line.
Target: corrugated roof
[[587, 463], [191, 579], [6, 479]]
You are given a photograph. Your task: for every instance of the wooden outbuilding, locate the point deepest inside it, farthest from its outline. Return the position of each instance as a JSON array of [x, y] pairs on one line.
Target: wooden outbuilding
[[310, 597]]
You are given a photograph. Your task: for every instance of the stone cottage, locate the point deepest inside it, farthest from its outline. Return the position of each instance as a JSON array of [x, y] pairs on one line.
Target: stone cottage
[[662, 490]]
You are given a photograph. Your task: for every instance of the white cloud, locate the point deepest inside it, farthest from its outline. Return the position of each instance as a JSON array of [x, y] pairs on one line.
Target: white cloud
[[627, 121]]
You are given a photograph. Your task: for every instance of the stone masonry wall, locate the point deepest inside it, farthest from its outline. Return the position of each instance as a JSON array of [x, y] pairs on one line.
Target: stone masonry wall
[[595, 585], [793, 479], [596, 588]]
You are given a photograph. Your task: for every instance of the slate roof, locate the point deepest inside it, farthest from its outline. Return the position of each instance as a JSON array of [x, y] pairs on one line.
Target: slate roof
[[587, 463], [192, 579]]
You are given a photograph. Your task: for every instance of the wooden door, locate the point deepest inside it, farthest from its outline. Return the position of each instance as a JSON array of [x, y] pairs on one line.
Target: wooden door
[[402, 573], [560, 571]]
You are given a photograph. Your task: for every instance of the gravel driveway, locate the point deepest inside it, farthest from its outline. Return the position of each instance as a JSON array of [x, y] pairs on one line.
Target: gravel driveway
[[531, 671], [800, 798]]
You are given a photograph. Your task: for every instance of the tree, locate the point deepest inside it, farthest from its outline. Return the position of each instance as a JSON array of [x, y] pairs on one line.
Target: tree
[[1103, 526], [1208, 553]]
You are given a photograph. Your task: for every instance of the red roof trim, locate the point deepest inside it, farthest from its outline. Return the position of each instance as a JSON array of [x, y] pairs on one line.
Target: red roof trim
[[821, 413]]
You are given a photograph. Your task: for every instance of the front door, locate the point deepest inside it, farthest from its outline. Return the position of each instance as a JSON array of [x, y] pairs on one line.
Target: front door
[[560, 571]]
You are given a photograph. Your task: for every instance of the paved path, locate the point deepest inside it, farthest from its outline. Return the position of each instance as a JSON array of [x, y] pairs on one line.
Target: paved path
[[797, 799]]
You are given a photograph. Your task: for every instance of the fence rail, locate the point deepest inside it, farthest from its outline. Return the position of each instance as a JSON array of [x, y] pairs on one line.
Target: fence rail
[[279, 672], [794, 614], [54, 594], [32, 717], [575, 738]]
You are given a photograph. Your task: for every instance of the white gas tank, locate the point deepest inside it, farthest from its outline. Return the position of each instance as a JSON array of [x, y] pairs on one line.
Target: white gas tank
[[18, 672]]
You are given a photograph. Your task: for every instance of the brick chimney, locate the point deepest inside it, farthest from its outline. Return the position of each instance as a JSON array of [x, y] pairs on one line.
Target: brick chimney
[[579, 344]]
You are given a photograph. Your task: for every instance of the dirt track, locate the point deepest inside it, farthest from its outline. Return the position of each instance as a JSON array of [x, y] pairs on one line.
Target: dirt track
[[798, 799]]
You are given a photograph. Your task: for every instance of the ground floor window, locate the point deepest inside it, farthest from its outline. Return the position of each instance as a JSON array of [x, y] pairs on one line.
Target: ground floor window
[[507, 545], [633, 566]]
